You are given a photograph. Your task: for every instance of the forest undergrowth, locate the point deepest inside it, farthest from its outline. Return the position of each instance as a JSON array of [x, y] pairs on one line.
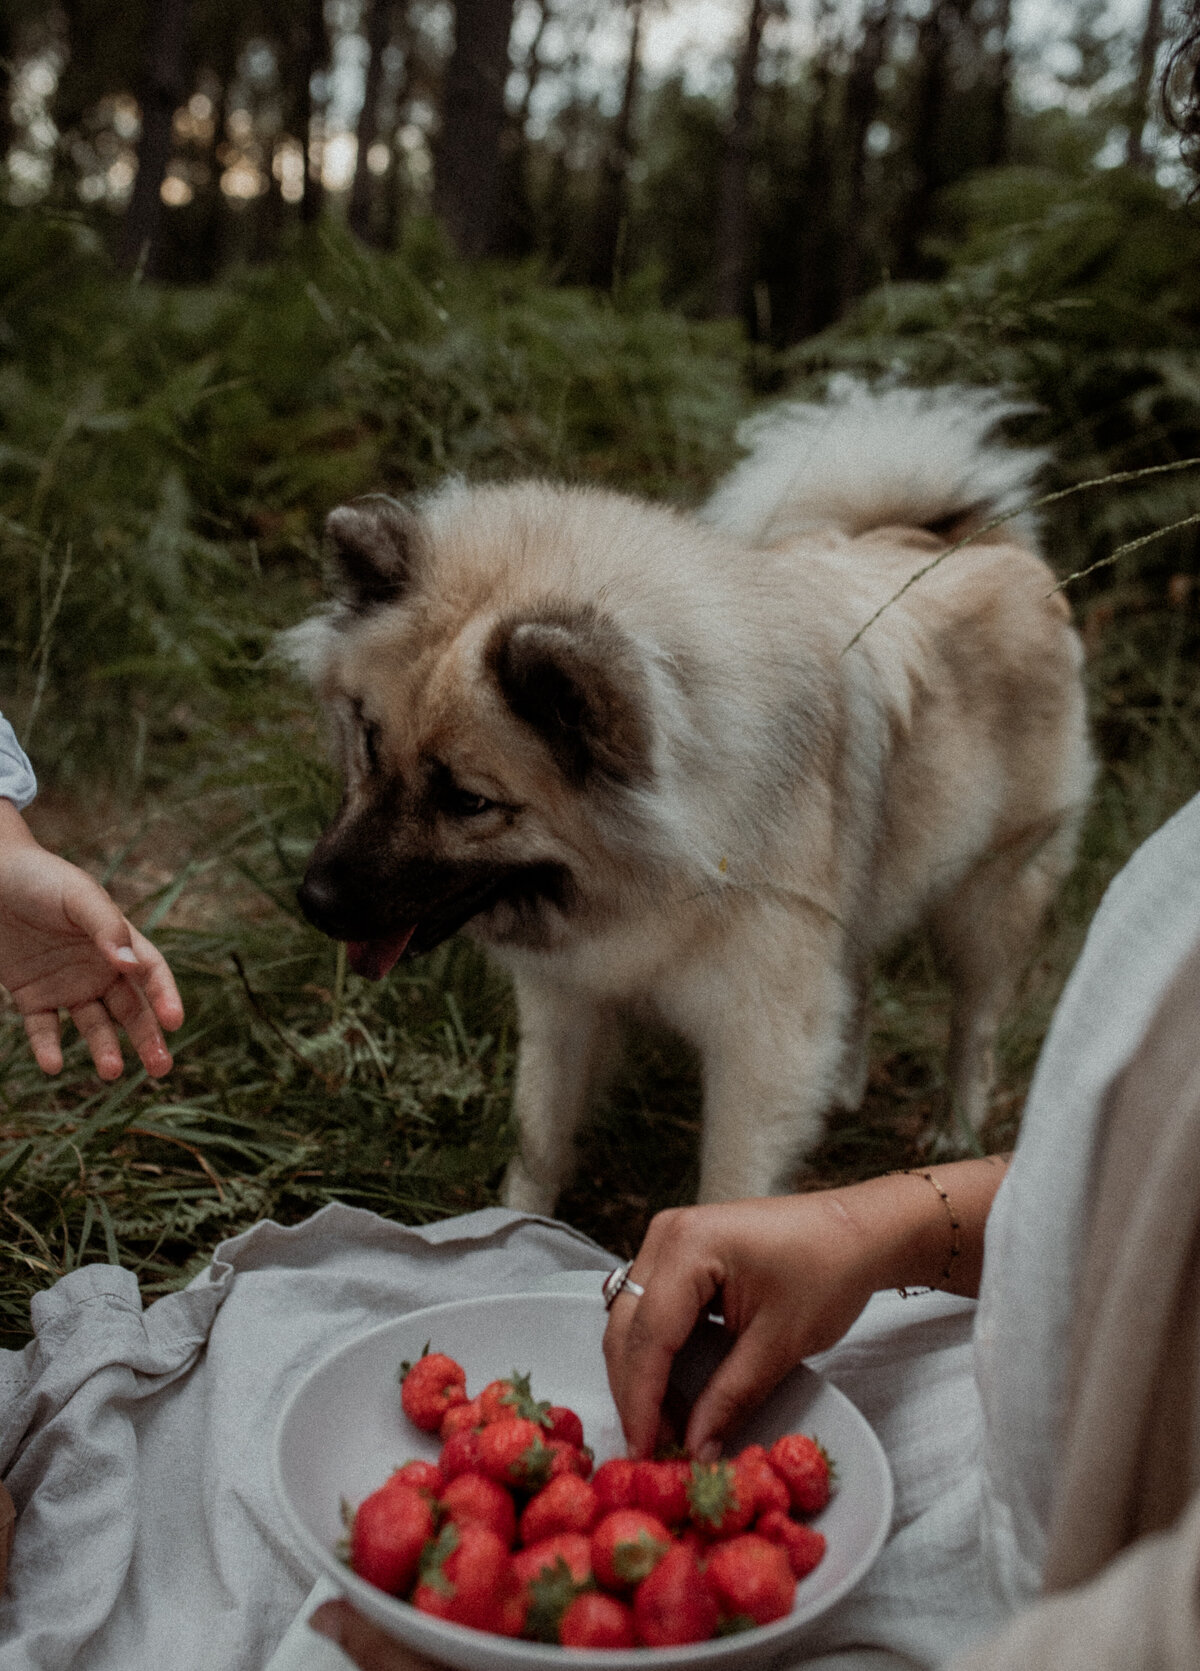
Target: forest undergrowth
[[166, 458]]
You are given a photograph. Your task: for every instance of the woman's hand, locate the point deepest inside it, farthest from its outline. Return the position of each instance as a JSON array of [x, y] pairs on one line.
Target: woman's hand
[[370, 1648], [789, 1274], [65, 945]]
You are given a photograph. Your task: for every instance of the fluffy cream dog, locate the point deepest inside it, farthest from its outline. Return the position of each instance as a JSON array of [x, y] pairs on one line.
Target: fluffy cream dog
[[655, 763]]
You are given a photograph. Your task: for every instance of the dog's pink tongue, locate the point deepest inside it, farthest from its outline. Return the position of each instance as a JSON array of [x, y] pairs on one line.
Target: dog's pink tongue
[[374, 958]]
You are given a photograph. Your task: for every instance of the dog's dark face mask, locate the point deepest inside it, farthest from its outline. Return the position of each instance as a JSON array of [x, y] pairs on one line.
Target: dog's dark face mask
[[373, 881]]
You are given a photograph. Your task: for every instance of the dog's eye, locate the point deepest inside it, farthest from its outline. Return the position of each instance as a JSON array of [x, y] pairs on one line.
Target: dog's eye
[[461, 803]]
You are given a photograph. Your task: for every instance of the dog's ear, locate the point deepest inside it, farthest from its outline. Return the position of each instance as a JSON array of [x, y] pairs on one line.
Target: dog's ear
[[374, 542], [574, 678]]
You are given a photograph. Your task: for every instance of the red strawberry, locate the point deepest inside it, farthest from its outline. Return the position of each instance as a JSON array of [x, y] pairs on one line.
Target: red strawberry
[[805, 1469], [805, 1546], [768, 1489], [721, 1498], [751, 1579], [460, 1454], [459, 1417], [563, 1423], [626, 1545], [596, 1621], [464, 1577], [422, 1476], [549, 1576], [513, 1397], [572, 1548], [391, 1527], [474, 1497], [511, 1451], [567, 1504], [662, 1489], [616, 1484], [430, 1387], [568, 1459], [674, 1605]]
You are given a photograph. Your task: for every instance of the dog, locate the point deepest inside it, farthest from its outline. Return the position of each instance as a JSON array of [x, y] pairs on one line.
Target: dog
[[708, 766]]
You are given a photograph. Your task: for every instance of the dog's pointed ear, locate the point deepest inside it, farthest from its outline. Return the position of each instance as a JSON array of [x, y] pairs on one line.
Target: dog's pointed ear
[[574, 678], [374, 542]]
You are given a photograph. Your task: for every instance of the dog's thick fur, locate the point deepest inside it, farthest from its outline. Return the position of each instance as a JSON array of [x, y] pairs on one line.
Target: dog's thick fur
[[647, 759]]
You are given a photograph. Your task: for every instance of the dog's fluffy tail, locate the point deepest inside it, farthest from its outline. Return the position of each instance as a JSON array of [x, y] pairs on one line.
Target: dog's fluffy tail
[[870, 458]]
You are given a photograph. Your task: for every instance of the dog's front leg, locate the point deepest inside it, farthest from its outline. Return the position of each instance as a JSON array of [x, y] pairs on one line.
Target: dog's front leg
[[565, 1039], [772, 1037]]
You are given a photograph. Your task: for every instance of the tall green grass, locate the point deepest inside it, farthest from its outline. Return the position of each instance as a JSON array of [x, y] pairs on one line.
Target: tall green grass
[[166, 459]]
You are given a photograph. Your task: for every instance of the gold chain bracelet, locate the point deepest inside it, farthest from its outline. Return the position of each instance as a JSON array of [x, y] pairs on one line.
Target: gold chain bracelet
[[943, 1281]]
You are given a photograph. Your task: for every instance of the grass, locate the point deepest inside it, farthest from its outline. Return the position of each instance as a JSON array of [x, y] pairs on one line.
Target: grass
[[297, 1083], [164, 462]]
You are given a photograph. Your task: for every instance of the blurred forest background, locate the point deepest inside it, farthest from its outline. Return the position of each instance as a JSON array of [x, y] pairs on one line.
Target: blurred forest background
[[258, 257]]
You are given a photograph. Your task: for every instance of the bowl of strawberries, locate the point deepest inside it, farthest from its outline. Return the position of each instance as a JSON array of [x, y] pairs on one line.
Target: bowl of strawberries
[[461, 1474]]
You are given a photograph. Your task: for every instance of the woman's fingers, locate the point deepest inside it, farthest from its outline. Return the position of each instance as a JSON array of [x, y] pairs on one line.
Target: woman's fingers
[[679, 1278], [751, 1371]]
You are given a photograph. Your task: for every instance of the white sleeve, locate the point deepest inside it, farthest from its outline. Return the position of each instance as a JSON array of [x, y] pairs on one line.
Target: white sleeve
[[17, 782]]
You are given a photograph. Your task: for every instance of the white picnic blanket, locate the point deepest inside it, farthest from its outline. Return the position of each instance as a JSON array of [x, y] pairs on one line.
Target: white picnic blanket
[[136, 1444]]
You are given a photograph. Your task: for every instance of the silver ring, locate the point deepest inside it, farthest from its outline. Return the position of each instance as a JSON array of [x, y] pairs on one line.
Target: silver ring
[[619, 1281]]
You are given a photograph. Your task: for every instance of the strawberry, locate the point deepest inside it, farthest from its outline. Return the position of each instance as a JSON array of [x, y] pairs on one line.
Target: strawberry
[[805, 1469], [626, 1545], [567, 1504], [464, 1577], [751, 1578], [513, 1397], [568, 1459], [422, 1476], [805, 1546], [662, 1489], [460, 1454], [550, 1575], [563, 1423], [459, 1417], [616, 1484], [429, 1387], [390, 1529], [673, 1604], [594, 1620], [474, 1497], [512, 1452], [720, 1498], [572, 1548], [767, 1489]]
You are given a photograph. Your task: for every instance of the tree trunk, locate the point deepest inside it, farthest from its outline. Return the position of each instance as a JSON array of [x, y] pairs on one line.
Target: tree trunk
[[162, 92], [311, 59], [362, 192], [607, 249], [861, 109], [814, 300], [997, 150], [466, 181], [517, 235], [1139, 114], [733, 209], [934, 37]]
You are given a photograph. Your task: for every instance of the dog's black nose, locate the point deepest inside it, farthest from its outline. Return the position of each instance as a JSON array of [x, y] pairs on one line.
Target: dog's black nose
[[317, 897]]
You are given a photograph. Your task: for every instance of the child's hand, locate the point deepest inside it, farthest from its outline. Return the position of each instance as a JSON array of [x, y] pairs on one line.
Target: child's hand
[[65, 945]]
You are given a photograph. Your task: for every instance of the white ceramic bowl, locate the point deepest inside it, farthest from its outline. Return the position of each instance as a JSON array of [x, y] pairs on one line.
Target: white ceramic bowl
[[343, 1431]]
